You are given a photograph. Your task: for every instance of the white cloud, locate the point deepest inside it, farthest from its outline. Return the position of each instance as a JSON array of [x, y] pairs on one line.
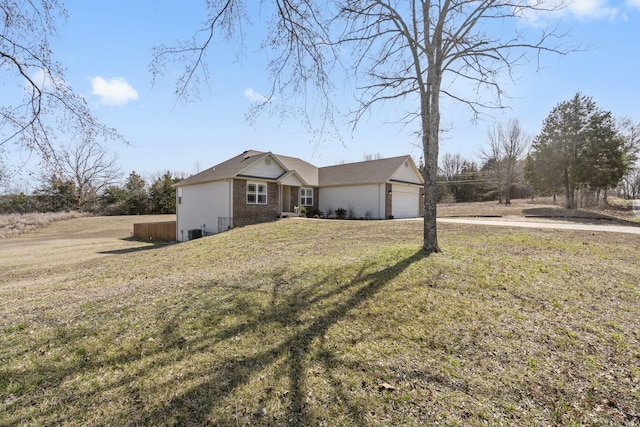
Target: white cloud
[[113, 91], [633, 3], [254, 96], [593, 9], [42, 79], [580, 9]]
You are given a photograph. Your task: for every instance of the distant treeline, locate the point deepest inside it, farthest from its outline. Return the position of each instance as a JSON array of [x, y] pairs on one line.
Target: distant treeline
[[135, 197]]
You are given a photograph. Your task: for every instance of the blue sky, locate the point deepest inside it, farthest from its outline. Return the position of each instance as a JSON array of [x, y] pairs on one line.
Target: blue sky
[[106, 50]]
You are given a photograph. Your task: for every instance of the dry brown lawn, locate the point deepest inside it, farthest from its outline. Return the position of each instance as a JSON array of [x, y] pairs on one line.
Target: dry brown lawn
[[619, 212], [310, 322]]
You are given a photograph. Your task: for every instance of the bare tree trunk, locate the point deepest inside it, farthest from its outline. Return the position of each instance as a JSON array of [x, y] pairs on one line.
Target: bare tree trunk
[[430, 131], [430, 244], [509, 179], [570, 195], [570, 199], [515, 143], [507, 190], [511, 170]]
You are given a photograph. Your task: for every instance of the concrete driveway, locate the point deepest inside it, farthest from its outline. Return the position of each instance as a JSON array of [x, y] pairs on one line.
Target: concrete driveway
[[505, 222]]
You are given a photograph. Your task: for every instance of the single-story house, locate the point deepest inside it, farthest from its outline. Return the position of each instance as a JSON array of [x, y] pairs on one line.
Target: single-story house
[[256, 187]]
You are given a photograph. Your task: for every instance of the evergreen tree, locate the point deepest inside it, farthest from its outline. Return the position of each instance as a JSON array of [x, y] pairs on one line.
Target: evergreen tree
[[578, 148], [114, 201], [58, 194], [137, 196], [162, 194]]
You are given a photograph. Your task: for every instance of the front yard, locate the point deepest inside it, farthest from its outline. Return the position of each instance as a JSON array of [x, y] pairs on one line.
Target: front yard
[[306, 322]]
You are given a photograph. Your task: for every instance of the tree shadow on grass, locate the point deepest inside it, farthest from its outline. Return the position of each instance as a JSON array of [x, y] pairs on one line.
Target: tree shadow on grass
[[148, 246], [193, 407], [301, 312]]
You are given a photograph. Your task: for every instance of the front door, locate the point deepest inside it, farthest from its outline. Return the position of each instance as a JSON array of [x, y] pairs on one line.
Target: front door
[[286, 198]]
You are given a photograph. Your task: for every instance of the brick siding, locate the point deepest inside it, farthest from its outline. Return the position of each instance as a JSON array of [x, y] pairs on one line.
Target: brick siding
[[388, 208], [247, 214]]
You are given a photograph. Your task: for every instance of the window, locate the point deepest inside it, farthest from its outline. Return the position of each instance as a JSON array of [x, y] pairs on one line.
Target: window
[[256, 193], [306, 196]]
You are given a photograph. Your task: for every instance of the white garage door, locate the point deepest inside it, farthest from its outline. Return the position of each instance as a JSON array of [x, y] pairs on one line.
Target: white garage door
[[405, 202]]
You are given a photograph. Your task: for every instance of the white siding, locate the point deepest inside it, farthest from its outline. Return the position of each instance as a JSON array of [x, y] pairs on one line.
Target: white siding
[[405, 201], [366, 201], [291, 180], [201, 206], [407, 173], [265, 168]]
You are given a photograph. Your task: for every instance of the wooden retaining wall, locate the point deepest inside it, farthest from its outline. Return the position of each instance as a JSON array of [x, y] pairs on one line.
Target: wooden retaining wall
[[160, 231]]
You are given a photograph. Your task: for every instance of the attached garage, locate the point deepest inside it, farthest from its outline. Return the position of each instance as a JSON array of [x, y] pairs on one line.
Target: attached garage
[[405, 201]]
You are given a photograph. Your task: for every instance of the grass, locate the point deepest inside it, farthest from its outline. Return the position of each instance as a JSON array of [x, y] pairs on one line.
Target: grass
[[12, 225], [307, 322], [616, 211]]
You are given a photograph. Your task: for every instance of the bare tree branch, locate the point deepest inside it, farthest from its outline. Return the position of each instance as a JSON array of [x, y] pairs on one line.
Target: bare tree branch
[[49, 105], [88, 165]]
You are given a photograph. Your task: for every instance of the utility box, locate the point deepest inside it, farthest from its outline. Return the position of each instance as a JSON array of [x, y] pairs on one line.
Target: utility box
[[195, 233]]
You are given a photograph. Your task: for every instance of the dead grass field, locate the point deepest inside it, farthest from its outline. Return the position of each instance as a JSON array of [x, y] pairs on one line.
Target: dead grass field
[[60, 246], [618, 211], [307, 322], [12, 225]]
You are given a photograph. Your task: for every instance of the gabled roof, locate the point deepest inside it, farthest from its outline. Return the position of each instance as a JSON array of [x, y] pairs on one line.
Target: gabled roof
[[237, 165], [306, 171], [367, 172], [224, 170]]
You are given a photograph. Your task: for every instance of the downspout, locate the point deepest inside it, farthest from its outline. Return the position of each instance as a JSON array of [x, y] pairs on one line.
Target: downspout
[[385, 196], [230, 203], [380, 191], [177, 213]]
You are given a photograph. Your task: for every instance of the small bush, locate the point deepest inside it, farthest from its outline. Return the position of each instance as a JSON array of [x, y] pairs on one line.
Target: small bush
[[341, 213]]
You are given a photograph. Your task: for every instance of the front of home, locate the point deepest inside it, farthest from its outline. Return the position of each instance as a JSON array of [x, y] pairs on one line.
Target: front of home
[[256, 187]]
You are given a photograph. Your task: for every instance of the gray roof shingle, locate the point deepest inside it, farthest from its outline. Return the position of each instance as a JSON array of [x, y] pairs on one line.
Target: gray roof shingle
[[366, 172], [224, 170], [306, 171]]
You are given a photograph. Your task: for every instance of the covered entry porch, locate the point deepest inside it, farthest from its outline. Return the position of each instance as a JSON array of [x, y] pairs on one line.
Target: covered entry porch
[[289, 201]]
